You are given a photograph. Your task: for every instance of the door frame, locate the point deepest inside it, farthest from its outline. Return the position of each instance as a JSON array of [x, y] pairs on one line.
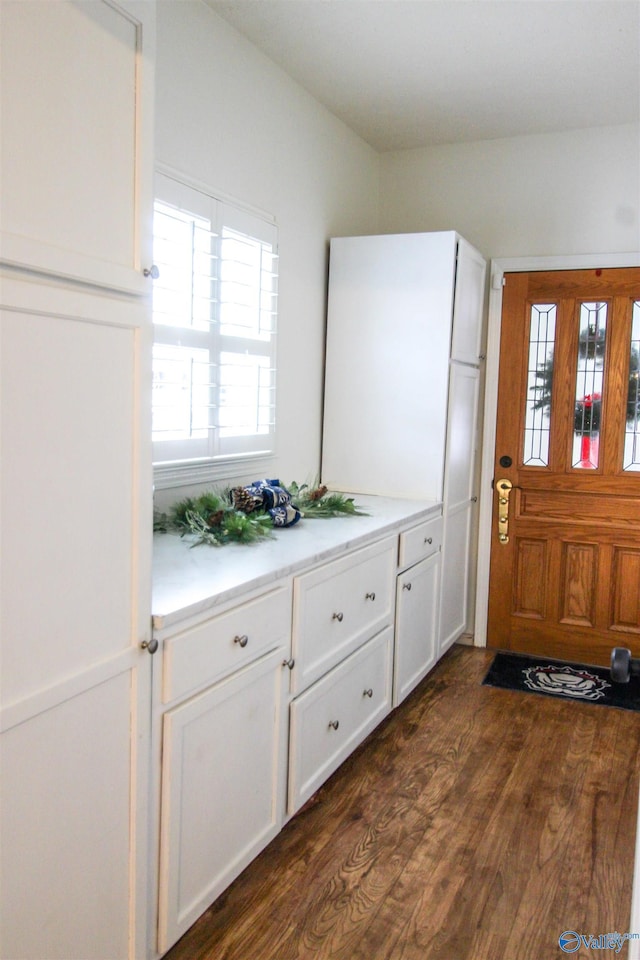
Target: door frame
[[497, 270]]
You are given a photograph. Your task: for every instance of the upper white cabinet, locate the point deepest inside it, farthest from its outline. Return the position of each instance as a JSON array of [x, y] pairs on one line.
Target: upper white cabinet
[[75, 80], [387, 364], [75, 491], [466, 340], [402, 381]]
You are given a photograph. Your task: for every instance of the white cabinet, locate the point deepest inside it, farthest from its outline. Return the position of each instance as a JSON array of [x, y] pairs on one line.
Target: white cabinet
[[224, 688], [417, 607], [401, 386], [390, 311], [275, 665], [339, 605], [336, 713], [466, 336], [77, 87], [342, 648], [459, 504], [76, 109], [222, 789]]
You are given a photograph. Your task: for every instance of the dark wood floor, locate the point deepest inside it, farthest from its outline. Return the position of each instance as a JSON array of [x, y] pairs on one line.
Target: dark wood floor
[[474, 824]]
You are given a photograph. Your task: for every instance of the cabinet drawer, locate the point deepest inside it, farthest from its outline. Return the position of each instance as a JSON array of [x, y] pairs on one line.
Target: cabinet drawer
[[420, 542], [194, 659], [336, 714], [340, 605]]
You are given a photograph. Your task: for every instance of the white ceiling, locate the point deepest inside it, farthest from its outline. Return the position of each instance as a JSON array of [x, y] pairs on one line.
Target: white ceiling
[[410, 73]]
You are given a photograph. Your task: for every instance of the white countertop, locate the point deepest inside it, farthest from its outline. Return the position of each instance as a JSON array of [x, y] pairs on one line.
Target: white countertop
[[190, 581]]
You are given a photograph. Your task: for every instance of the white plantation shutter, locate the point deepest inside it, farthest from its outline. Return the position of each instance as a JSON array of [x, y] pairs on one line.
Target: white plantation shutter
[[214, 312]]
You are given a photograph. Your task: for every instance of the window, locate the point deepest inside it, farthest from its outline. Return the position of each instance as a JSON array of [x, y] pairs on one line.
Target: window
[[542, 333], [214, 315]]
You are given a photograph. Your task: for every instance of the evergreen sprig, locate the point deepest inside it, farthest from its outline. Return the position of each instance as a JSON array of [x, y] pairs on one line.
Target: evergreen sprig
[[212, 518], [315, 501]]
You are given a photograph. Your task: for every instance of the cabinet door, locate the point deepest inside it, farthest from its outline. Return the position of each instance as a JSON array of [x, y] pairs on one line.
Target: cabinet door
[[457, 576], [75, 684], [462, 435], [468, 309], [75, 91], [222, 789], [388, 340], [417, 606], [458, 564], [75, 492]]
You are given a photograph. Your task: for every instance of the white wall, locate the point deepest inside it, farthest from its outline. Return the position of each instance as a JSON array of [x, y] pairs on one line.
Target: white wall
[[228, 117], [554, 194]]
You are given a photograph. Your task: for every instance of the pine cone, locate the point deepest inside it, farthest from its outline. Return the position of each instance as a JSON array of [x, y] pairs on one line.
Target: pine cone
[[244, 501], [318, 493], [215, 519]]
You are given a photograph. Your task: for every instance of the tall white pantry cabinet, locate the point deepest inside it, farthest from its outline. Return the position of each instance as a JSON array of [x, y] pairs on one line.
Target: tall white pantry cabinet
[[76, 90], [402, 386]]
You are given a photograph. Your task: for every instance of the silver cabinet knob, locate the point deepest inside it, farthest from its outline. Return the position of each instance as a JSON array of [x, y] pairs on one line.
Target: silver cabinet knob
[[289, 663], [334, 724], [370, 596], [406, 586], [368, 693], [338, 616], [242, 641], [152, 272], [150, 645], [428, 539]]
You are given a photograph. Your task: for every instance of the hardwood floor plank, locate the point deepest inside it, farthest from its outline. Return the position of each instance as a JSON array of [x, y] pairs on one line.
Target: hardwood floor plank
[[474, 824]]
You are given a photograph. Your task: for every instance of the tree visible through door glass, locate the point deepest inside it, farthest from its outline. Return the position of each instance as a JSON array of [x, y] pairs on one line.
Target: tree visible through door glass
[[542, 332], [589, 385], [632, 426]]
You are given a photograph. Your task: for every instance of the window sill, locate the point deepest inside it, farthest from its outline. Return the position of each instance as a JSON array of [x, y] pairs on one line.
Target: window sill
[[167, 476]]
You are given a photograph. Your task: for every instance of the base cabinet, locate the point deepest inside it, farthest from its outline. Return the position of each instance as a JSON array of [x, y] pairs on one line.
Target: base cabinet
[[222, 789], [417, 609], [260, 698]]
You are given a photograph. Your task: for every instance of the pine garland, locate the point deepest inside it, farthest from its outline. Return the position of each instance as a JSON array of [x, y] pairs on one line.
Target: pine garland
[[317, 502], [223, 516]]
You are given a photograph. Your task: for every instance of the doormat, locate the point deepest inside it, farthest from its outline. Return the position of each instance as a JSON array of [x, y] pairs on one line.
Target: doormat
[[562, 680]]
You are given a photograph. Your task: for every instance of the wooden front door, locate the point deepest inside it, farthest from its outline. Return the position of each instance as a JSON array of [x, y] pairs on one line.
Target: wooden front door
[[565, 556]]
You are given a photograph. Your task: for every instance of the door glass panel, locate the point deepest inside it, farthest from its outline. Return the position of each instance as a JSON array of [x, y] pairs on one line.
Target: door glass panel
[[589, 385], [632, 426], [542, 334]]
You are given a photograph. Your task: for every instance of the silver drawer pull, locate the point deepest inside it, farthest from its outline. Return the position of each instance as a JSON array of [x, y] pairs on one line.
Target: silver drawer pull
[[370, 596], [368, 693], [334, 724], [338, 617], [150, 645], [289, 663], [428, 539], [243, 640]]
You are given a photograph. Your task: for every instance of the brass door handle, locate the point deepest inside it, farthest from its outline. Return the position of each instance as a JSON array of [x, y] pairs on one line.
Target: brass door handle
[[503, 488]]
